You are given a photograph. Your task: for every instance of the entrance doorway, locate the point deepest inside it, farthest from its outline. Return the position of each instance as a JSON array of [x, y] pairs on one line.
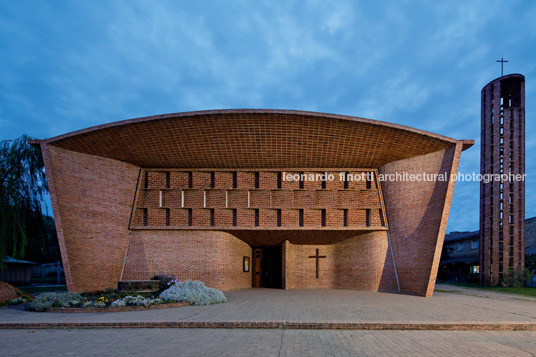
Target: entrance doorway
[[267, 267]]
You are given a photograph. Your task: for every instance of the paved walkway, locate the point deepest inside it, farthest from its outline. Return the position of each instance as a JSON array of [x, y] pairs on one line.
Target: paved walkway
[[254, 342], [450, 305]]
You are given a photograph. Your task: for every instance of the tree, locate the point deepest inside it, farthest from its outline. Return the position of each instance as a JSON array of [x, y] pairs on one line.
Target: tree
[[22, 188], [530, 262], [517, 277]]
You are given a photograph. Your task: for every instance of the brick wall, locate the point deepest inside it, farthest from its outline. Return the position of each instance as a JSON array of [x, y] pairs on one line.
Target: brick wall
[[166, 196], [502, 204], [92, 201], [361, 263], [418, 214], [212, 257]]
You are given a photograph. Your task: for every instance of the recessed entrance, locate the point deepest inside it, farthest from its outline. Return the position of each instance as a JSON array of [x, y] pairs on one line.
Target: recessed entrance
[[267, 267]]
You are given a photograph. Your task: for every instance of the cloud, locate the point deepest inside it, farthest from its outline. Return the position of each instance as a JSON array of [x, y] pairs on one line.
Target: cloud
[[72, 65]]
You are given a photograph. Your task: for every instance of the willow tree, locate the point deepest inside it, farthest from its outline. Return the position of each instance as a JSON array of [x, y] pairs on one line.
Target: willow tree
[[22, 189]]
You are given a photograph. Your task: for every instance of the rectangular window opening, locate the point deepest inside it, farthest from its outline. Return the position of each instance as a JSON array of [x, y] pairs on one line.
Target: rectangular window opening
[[257, 180], [145, 217], [279, 218], [257, 218], [367, 217], [235, 179], [279, 180], [212, 217], [190, 217], [168, 179], [300, 217], [382, 219], [168, 217], [345, 218], [235, 217], [213, 180], [323, 218], [190, 179]]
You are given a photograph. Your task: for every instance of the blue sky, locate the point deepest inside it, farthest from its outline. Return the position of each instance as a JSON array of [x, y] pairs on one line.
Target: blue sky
[[67, 65]]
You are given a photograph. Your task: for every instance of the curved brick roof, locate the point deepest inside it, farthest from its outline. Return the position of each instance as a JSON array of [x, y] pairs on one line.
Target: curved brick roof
[[253, 138]]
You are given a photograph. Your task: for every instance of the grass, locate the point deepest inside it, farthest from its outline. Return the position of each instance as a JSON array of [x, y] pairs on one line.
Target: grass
[[526, 291], [32, 290]]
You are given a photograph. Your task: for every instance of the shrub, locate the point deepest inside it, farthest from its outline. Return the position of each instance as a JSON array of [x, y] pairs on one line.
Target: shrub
[[194, 292], [135, 301], [530, 262], [56, 299], [94, 304], [166, 280], [517, 277]]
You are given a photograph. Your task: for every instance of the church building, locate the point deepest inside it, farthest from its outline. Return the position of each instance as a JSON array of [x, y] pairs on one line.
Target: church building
[[252, 198]]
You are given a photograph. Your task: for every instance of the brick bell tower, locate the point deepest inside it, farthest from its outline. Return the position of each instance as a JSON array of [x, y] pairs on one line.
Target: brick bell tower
[[502, 202]]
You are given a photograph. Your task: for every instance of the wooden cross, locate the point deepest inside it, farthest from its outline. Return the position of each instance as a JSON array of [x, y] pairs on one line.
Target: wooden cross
[[502, 63], [317, 257]]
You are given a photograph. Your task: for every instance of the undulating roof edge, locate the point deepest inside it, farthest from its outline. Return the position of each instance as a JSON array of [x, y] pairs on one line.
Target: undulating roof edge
[[466, 143]]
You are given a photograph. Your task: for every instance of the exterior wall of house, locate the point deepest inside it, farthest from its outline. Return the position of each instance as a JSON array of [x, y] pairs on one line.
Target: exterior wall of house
[[16, 274]]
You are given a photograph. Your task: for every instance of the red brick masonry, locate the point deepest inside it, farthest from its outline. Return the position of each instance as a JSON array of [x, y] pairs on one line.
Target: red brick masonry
[[191, 194], [115, 309], [281, 325]]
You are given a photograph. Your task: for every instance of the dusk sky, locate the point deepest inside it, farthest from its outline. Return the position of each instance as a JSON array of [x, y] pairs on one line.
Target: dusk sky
[[68, 65]]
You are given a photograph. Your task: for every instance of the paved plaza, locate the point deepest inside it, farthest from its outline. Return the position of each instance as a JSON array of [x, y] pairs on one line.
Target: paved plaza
[[450, 305], [258, 342]]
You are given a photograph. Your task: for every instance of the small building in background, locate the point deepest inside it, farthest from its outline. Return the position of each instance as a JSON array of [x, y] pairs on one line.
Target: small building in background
[[16, 271], [460, 258]]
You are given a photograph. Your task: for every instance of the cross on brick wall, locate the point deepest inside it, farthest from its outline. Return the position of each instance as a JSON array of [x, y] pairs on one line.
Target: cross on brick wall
[[317, 257]]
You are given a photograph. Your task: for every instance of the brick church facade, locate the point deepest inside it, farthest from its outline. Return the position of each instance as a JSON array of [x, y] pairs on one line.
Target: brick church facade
[[214, 196]]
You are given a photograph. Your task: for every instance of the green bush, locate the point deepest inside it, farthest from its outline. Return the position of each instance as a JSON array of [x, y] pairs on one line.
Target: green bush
[[194, 292], [517, 277], [54, 299], [530, 262]]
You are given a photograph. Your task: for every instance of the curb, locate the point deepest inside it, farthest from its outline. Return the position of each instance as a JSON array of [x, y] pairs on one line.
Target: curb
[[279, 325]]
